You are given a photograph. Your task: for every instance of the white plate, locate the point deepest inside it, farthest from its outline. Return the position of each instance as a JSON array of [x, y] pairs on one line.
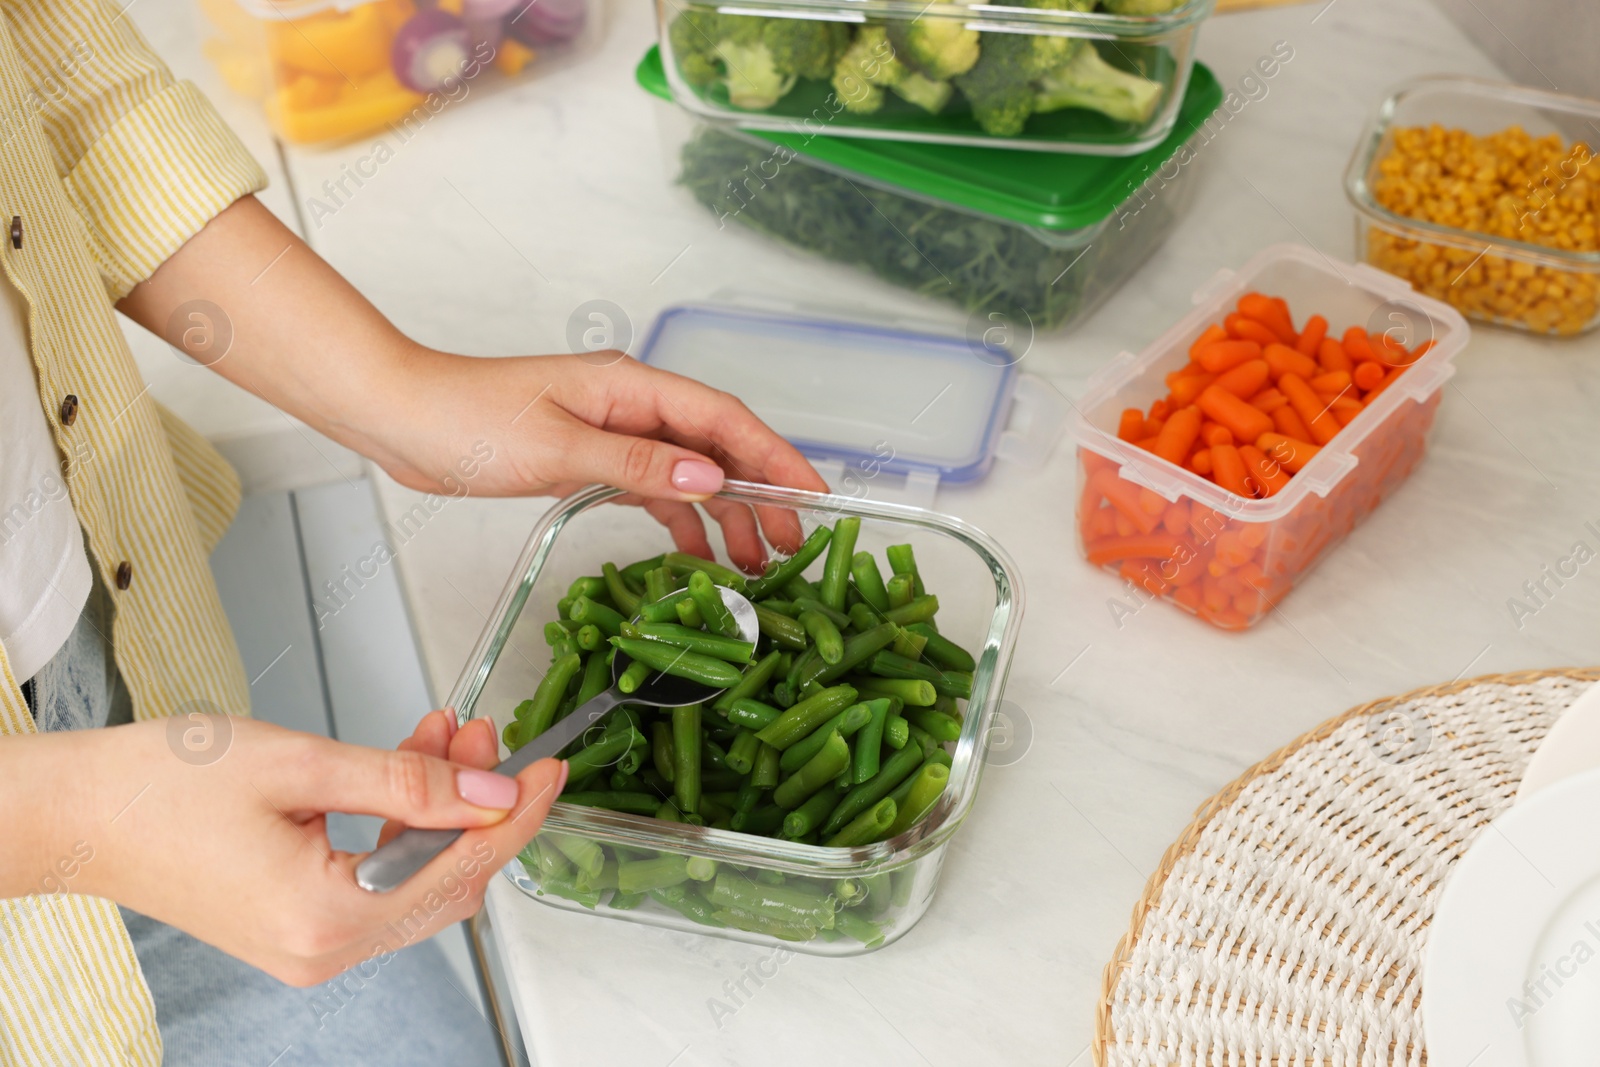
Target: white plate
[[1511, 977], [1571, 746]]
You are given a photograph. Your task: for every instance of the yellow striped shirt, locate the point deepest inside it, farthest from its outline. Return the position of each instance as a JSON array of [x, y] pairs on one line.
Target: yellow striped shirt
[[110, 165]]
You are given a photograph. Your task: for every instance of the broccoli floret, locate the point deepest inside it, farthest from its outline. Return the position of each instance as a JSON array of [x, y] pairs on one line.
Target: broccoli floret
[[937, 48], [864, 71], [1142, 7], [1000, 85], [929, 94], [1086, 80], [756, 59], [806, 47]]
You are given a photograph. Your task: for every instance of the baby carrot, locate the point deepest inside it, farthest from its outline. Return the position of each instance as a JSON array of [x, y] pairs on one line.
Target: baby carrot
[[1245, 421], [1388, 380], [1290, 424], [1186, 388], [1243, 328], [1268, 400], [1356, 345], [1214, 433], [1332, 356], [1309, 406], [1178, 435], [1311, 338], [1200, 462], [1268, 472], [1285, 360], [1345, 408], [1291, 453], [1131, 425], [1218, 356], [1124, 496], [1366, 376], [1246, 379], [1117, 549], [1230, 472], [1214, 332], [1336, 382], [1269, 313]]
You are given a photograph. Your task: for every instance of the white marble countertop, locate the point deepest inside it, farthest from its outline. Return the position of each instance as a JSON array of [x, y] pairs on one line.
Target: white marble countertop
[[485, 232]]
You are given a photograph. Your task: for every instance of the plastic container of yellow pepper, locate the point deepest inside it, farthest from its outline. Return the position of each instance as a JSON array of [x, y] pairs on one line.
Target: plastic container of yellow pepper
[[332, 70], [1485, 196]]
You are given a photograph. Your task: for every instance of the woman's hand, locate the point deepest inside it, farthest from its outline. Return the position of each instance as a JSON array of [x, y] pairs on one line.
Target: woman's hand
[[550, 424], [232, 845], [302, 338]]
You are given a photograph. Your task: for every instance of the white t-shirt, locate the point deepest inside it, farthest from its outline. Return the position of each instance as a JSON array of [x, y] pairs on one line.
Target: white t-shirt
[[44, 571]]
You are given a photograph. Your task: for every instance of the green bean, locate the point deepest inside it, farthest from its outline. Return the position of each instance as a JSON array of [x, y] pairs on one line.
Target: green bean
[[631, 679], [749, 794], [713, 645], [751, 683], [824, 634], [807, 715], [549, 860], [915, 692], [690, 907], [878, 889], [583, 853], [923, 738], [908, 644], [683, 561], [836, 568], [764, 820], [689, 613], [626, 600], [556, 632], [943, 651], [556, 887], [627, 782], [585, 610], [896, 731], [717, 781], [782, 629], [714, 755], [902, 560], [668, 812], [782, 607], [621, 901], [589, 637], [937, 723], [753, 713], [927, 786], [870, 743], [547, 698], [863, 617], [848, 891], [892, 773], [564, 606], [869, 581], [780, 574], [633, 803], [713, 811], [680, 663], [940, 756], [742, 753], [784, 695], [799, 587], [596, 676], [567, 646], [718, 619], [868, 826], [864, 930], [892, 665], [511, 735], [902, 590], [782, 903], [661, 750], [801, 664], [591, 587], [665, 609], [636, 571], [765, 772], [658, 585], [921, 609], [686, 757], [760, 924], [818, 771], [641, 876], [808, 603], [858, 648], [604, 752], [811, 814], [846, 723]]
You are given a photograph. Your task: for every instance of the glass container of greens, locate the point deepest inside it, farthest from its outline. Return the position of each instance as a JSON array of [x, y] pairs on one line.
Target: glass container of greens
[[656, 864], [1084, 76], [1038, 236]]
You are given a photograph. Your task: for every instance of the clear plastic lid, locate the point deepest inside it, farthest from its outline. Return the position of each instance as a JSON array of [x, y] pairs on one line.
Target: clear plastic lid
[[862, 400]]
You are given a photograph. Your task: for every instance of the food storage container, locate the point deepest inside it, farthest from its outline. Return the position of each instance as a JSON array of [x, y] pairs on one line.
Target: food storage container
[[1226, 558], [330, 70], [980, 599], [1085, 81], [1041, 237], [1522, 280]]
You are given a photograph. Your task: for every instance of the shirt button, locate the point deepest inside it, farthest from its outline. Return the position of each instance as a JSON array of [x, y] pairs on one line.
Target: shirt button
[[124, 574], [69, 409], [16, 231]]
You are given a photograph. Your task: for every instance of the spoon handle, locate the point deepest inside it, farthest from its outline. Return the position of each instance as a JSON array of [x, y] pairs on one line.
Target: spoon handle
[[413, 848]]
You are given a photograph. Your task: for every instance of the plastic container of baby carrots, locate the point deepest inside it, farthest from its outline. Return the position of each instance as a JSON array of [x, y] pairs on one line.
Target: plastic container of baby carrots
[[1218, 554]]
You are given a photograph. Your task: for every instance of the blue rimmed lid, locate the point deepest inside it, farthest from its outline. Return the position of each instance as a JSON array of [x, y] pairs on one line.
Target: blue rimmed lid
[[872, 399]]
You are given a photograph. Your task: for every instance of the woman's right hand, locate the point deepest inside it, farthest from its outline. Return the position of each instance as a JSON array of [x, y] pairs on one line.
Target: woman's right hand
[[231, 845]]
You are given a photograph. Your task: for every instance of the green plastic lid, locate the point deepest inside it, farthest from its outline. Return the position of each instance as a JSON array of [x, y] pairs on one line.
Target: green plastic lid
[[1050, 190]]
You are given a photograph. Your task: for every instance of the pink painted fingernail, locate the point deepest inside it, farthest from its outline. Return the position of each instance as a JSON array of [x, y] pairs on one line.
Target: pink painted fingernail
[[561, 783], [696, 476], [486, 789], [450, 721]]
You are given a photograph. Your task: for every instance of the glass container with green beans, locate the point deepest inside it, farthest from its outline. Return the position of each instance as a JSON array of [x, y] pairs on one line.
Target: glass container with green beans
[[812, 800]]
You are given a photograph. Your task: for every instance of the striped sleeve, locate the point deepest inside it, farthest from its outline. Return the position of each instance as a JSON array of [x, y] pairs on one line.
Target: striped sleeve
[[146, 159], [208, 480]]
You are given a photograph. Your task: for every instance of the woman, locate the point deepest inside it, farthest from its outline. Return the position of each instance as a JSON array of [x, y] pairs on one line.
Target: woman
[[124, 189]]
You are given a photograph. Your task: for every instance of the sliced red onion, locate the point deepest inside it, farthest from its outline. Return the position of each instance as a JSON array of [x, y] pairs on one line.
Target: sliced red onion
[[430, 50], [474, 10], [542, 22]]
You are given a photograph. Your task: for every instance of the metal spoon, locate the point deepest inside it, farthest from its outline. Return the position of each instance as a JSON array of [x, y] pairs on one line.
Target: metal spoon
[[411, 850]]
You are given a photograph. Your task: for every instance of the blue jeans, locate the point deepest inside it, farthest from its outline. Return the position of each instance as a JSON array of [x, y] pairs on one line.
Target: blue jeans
[[215, 1011]]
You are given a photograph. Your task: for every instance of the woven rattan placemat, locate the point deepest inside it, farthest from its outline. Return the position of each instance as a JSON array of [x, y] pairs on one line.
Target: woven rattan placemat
[[1286, 925]]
